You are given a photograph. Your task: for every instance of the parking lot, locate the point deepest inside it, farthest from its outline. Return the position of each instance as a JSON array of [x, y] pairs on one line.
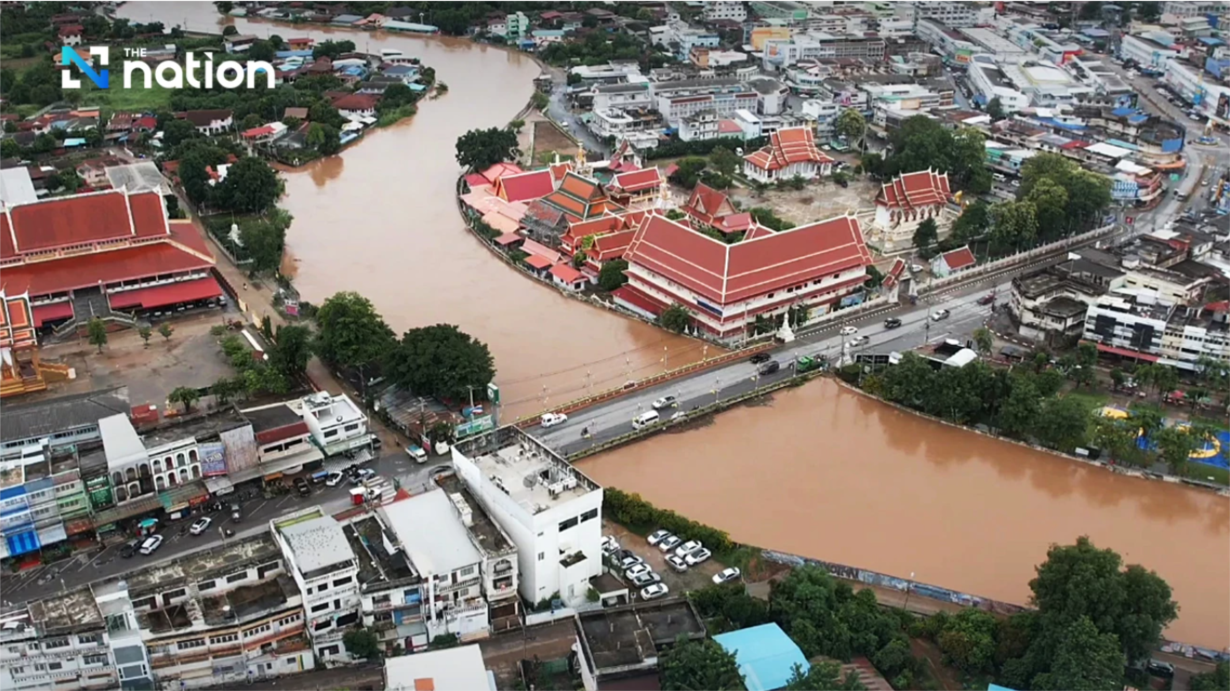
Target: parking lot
[[678, 583]]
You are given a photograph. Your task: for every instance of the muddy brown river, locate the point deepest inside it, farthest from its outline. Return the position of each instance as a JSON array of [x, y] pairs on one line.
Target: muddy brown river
[[820, 472]]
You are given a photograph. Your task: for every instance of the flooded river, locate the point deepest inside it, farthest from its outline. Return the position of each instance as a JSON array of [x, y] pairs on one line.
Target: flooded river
[[381, 220], [821, 472]]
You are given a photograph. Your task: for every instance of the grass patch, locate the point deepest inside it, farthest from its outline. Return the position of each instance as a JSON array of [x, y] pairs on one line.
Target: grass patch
[[117, 97], [1207, 473]]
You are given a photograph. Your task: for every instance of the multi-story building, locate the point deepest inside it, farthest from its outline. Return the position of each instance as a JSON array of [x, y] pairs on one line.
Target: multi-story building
[[1051, 302], [782, 53], [35, 428], [229, 614], [551, 511], [1207, 97], [59, 642], [319, 558], [1192, 9], [1146, 50], [336, 423], [954, 46], [630, 95], [988, 41], [818, 267], [991, 83], [699, 126], [679, 99], [955, 14], [725, 10]]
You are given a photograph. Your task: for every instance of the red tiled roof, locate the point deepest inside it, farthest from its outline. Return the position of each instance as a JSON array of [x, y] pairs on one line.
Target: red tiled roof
[[356, 102], [580, 198], [894, 273], [258, 131], [71, 30], [729, 127], [729, 273], [82, 271], [959, 258], [611, 246], [52, 312], [523, 187], [169, 294], [559, 170], [80, 219], [635, 297], [707, 204], [914, 190], [475, 180], [538, 261], [734, 223], [638, 181], [204, 118], [499, 170], [566, 273], [757, 231], [507, 239], [786, 146], [601, 226]]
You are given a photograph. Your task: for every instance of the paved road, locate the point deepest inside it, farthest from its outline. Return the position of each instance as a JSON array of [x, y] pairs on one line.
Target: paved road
[[560, 111], [92, 565]]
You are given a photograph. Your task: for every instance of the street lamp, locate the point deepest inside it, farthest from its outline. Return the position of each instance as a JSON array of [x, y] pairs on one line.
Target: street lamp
[[909, 587]]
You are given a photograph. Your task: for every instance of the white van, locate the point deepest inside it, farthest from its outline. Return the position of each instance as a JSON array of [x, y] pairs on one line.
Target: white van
[[645, 419]]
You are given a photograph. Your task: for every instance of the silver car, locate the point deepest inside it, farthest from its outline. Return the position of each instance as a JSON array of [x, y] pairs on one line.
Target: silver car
[[646, 578], [669, 543], [688, 547]]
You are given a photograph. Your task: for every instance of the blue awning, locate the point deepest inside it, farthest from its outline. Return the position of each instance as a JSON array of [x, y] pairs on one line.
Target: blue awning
[[23, 543]]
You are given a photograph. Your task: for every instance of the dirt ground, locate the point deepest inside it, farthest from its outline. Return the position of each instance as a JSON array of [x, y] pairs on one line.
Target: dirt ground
[[815, 202], [679, 583], [191, 357], [549, 139]]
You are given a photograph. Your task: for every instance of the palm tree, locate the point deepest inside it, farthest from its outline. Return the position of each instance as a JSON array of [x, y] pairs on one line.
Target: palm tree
[[983, 340]]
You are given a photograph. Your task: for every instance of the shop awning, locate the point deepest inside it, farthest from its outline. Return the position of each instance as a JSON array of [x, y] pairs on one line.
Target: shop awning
[[1124, 352], [52, 312], [219, 485], [22, 543], [169, 294]]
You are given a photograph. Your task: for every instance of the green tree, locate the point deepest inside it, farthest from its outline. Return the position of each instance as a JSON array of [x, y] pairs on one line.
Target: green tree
[[675, 318], [226, 389], [362, 643], [332, 142], [702, 664], [165, 330], [1175, 446], [724, 161], [292, 348], [875, 277], [822, 676], [1117, 438], [351, 333], [1014, 226], [995, 108], [1062, 423], [611, 275], [922, 143], [185, 395], [441, 361], [480, 149], [968, 641], [1117, 378], [324, 113], [332, 49], [1018, 415], [315, 135], [9, 148], [250, 121], [984, 340], [251, 186], [145, 332], [230, 30], [262, 50], [688, 170], [1147, 420], [852, 125], [1086, 659], [1050, 202], [1217, 680], [925, 237], [97, 331], [1165, 379]]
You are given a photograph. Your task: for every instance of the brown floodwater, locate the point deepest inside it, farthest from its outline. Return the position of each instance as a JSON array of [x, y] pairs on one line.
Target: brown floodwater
[[381, 219], [828, 473], [820, 472]]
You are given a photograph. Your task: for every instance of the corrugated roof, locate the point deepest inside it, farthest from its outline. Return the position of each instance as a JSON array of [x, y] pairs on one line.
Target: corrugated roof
[[443, 549], [765, 654]]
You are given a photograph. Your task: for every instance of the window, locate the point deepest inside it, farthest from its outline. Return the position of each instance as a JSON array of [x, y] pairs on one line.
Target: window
[[568, 524], [226, 638], [541, 556], [331, 433], [346, 620], [94, 660], [328, 650], [322, 625], [291, 660], [236, 577], [589, 515], [467, 571], [351, 428], [206, 585], [321, 607], [171, 595], [322, 587], [53, 666], [194, 643], [342, 581], [53, 643], [90, 639], [256, 631]]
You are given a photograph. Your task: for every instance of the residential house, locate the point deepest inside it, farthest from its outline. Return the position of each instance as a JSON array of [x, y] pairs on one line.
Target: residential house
[[94, 171], [354, 106], [336, 423], [71, 34], [210, 122], [318, 556], [563, 275], [238, 43]]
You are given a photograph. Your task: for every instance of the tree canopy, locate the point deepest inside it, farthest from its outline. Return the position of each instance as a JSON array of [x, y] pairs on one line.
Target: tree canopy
[[922, 143], [251, 186], [351, 332], [696, 665], [441, 361], [479, 149], [611, 275]]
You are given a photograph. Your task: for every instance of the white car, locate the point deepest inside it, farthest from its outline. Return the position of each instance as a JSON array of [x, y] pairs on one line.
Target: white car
[[668, 543], [677, 563], [151, 543], [201, 525], [553, 419], [654, 591], [916, 268], [630, 561], [609, 545], [726, 575], [665, 402], [849, 330], [698, 556], [646, 578], [335, 478], [657, 536], [939, 315], [636, 570], [688, 547]]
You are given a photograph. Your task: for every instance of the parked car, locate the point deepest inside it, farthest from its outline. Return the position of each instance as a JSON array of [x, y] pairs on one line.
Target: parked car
[[892, 323], [151, 544], [759, 358], [630, 561], [334, 479], [654, 591], [636, 570], [1159, 668], [669, 543], [688, 547], [677, 563], [358, 476], [916, 268], [939, 315], [302, 487], [657, 536], [727, 575], [646, 578], [552, 419], [769, 367], [698, 556], [201, 525], [849, 330], [665, 402], [130, 548], [609, 545]]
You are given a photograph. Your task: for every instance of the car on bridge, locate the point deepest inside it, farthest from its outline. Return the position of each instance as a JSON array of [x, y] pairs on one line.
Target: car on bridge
[[549, 420], [665, 402], [892, 323], [759, 358], [769, 367], [849, 330], [940, 315]]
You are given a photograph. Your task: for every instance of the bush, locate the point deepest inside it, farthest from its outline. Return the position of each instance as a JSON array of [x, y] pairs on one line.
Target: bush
[[639, 515], [677, 147]]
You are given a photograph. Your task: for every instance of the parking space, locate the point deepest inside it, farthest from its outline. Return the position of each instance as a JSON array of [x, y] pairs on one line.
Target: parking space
[[678, 583]]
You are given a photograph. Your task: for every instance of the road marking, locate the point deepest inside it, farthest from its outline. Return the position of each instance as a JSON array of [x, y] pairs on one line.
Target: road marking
[[260, 506]]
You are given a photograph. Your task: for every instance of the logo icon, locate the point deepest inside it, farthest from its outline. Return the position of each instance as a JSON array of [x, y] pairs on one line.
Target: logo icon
[[101, 78]]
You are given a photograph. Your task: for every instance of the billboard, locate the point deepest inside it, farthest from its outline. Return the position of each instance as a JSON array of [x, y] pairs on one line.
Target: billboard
[[239, 449], [213, 459]]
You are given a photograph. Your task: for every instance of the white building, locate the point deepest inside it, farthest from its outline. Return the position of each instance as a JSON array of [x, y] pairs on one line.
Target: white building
[[60, 642], [729, 11], [1192, 9], [988, 41], [782, 53], [945, 40], [905, 202], [699, 126], [1208, 98], [955, 14], [991, 83], [336, 423], [790, 153], [552, 512], [1146, 51], [320, 559], [631, 95], [451, 669]]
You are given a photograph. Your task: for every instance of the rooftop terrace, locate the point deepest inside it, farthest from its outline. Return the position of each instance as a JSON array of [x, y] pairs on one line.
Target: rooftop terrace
[[529, 472], [377, 567], [485, 531], [249, 602], [628, 637], [199, 427], [203, 565], [72, 610]]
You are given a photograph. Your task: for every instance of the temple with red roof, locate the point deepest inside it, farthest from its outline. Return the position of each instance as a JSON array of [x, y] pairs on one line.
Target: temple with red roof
[[636, 187], [577, 198], [525, 187], [905, 202], [791, 153], [948, 263], [726, 286], [20, 370]]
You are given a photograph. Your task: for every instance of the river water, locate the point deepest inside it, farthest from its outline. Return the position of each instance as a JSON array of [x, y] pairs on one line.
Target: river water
[[820, 472], [381, 220]]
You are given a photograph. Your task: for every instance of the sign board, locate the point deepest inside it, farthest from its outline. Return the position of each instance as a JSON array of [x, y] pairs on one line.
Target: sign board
[[212, 459], [493, 393], [291, 307], [476, 425]]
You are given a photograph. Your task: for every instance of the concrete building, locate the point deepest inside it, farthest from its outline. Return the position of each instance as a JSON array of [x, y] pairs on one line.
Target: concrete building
[[629, 95], [988, 41], [991, 83], [1146, 51], [905, 202], [725, 10], [1050, 303], [452, 669], [954, 14], [550, 510], [782, 53], [336, 423], [62, 642], [324, 567], [954, 46], [620, 645], [1207, 97]]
